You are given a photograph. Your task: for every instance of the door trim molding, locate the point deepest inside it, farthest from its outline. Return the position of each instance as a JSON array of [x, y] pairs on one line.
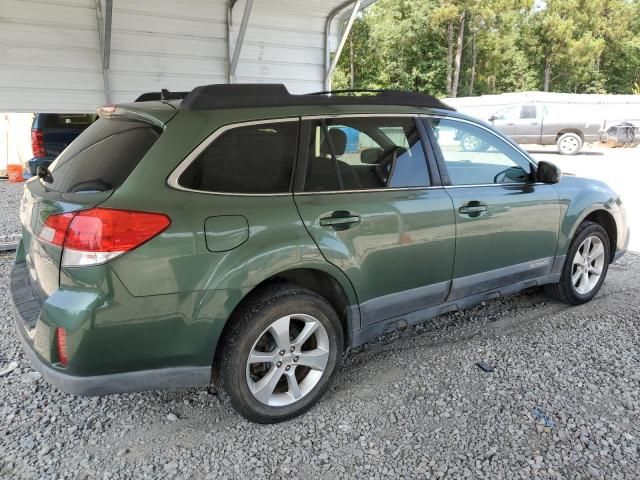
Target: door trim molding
[[380, 308], [480, 282], [370, 332]]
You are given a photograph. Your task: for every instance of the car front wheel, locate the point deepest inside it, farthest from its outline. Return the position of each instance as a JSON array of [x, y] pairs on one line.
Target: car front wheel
[[281, 353], [585, 267]]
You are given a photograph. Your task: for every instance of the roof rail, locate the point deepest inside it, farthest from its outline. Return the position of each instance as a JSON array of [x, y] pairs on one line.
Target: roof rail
[[163, 94], [225, 96], [348, 90]]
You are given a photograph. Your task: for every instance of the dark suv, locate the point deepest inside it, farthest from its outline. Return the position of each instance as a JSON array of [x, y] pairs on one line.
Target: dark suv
[[234, 236], [51, 133]]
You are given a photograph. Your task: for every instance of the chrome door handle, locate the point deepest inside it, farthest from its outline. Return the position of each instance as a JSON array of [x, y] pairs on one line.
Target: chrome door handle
[[340, 220], [473, 208]]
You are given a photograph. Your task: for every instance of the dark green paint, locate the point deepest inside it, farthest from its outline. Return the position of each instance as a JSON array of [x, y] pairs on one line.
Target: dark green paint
[[225, 232]]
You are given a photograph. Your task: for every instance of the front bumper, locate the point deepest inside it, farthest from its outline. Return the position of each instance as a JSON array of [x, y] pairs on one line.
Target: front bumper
[[620, 252], [27, 307]]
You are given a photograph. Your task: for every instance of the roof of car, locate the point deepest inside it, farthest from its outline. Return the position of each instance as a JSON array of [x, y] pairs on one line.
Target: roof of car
[[226, 96]]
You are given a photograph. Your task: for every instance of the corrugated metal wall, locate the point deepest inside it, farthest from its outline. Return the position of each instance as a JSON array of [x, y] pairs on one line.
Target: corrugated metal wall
[[50, 57]]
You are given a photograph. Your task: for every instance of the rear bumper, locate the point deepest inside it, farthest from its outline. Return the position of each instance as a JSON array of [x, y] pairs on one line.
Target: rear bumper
[[27, 308]]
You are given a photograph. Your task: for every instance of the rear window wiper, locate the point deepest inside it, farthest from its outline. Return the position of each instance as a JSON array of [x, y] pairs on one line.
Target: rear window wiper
[[44, 173]]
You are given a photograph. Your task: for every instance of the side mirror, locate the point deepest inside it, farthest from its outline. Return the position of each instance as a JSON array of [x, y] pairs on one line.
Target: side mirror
[[548, 172], [493, 118]]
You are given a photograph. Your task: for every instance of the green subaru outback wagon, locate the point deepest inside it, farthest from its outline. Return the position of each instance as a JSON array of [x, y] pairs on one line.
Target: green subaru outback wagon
[[246, 236]]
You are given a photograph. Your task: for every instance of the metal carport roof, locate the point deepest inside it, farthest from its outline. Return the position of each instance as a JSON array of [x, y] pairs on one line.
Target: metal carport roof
[[72, 55]]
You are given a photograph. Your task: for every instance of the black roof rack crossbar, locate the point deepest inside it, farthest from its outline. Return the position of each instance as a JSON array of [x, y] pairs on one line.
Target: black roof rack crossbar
[[225, 96]]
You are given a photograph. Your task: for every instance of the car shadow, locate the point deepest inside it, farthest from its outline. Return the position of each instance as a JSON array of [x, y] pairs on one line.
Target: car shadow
[[552, 152]]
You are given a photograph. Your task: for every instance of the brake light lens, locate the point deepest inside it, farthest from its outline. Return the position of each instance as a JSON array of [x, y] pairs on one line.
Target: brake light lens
[[61, 342], [95, 236], [55, 228], [37, 143]]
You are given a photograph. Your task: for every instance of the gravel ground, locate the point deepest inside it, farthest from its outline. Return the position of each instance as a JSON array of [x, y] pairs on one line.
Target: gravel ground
[[563, 401], [10, 194]]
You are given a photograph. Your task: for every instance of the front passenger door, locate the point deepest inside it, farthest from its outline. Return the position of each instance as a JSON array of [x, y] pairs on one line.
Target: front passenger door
[[506, 223], [368, 200]]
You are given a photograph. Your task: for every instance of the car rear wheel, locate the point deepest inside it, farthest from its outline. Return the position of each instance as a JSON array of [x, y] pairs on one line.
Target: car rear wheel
[[569, 143], [281, 353], [585, 267], [471, 143]]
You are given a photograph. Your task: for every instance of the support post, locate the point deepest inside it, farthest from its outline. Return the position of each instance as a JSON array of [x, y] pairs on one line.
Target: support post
[[234, 53], [330, 65], [104, 36]]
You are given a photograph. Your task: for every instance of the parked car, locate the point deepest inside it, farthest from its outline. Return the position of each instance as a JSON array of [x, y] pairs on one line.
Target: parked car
[[51, 133], [231, 236], [569, 126]]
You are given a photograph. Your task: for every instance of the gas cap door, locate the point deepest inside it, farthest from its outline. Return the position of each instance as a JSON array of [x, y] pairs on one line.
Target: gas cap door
[[225, 232]]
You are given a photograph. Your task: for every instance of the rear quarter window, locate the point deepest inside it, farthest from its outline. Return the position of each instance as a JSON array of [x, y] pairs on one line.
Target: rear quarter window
[[102, 157], [251, 159]]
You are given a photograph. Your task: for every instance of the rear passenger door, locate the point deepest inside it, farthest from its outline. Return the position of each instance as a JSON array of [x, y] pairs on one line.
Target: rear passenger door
[[369, 201]]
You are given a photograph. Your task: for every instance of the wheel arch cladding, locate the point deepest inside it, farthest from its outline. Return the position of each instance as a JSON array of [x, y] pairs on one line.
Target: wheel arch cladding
[[606, 221], [570, 130], [318, 281]]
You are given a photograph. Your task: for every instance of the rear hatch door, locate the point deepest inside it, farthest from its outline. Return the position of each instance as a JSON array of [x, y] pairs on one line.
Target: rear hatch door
[[83, 176]]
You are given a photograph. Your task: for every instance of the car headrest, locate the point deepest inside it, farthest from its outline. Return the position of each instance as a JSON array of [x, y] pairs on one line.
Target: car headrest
[[371, 156], [338, 140]]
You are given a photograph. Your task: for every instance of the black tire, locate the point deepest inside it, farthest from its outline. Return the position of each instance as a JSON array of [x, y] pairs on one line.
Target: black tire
[[254, 316], [569, 143], [564, 290]]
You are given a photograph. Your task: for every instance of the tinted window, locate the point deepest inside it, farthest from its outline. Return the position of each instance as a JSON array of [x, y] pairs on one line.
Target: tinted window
[[365, 153], [66, 120], [475, 156], [102, 156], [251, 159]]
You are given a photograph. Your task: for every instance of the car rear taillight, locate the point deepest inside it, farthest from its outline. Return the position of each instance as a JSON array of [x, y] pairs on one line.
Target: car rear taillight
[[37, 143], [55, 228], [61, 343], [95, 236]]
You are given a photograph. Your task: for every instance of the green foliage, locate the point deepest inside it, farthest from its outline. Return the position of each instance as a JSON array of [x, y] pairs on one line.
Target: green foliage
[[581, 46]]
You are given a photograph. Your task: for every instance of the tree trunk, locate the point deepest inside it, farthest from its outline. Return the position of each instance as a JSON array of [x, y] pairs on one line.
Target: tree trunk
[[547, 74], [474, 59], [449, 57], [352, 72], [458, 61]]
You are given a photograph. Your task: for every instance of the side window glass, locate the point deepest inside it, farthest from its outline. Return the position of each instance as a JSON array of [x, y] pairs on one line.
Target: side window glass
[[251, 159], [508, 113], [528, 112], [364, 154], [474, 156]]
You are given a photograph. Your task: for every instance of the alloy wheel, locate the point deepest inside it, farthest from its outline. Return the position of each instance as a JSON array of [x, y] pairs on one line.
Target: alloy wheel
[[588, 264], [569, 145], [471, 143], [287, 360]]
